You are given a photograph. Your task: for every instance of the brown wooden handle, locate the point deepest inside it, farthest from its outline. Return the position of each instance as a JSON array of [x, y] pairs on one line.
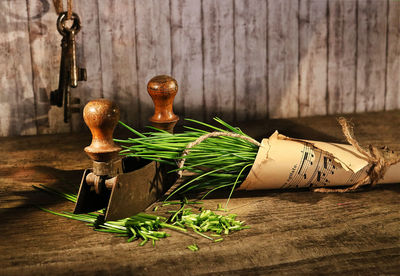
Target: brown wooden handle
[[162, 90], [101, 116]]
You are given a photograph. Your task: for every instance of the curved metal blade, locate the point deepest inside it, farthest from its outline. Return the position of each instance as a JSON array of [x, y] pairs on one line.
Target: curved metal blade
[[136, 190]]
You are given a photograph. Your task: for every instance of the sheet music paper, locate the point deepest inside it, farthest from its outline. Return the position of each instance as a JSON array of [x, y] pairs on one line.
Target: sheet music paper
[[284, 162]]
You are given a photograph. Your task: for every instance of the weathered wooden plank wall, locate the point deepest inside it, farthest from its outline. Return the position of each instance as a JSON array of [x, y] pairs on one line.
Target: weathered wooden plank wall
[[118, 50], [283, 58], [392, 56], [371, 55], [250, 59], [187, 56], [342, 58], [313, 51], [219, 58], [17, 97], [237, 59]]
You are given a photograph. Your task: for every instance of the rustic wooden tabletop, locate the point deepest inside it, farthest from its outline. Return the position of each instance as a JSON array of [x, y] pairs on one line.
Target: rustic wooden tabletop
[[292, 232]]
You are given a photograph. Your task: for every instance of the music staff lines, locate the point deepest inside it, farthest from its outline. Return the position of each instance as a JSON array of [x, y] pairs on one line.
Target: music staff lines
[[326, 170], [315, 167], [354, 178], [306, 162]]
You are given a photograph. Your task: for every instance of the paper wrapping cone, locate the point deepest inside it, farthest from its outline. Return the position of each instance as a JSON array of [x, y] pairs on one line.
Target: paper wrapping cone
[[284, 162]]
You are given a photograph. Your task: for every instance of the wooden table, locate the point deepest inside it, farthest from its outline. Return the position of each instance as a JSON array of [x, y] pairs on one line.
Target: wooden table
[[292, 232]]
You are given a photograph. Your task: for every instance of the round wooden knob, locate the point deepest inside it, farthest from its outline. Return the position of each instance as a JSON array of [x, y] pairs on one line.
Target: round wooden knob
[[162, 90], [101, 116]]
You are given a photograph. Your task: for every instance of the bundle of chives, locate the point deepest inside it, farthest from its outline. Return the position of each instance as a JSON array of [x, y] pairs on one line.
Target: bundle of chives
[[217, 162]]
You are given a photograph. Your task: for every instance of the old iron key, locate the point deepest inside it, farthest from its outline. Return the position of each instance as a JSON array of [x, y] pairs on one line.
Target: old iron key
[[70, 73]]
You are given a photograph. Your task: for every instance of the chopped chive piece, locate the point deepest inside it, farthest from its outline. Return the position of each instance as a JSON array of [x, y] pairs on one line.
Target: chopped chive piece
[[193, 247], [220, 208], [146, 227], [203, 235], [143, 242]]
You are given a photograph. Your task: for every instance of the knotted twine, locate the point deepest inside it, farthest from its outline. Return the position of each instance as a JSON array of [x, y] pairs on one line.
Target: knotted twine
[[198, 141], [58, 5], [208, 135], [378, 163]]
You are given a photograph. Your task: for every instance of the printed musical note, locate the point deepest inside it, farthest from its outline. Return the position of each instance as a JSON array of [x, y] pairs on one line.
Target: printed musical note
[[305, 168], [315, 166]]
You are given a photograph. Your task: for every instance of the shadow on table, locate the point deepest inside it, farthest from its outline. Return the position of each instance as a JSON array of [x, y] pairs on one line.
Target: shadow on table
[[20, 197], [259, 129], [301, 195], [296, 195]]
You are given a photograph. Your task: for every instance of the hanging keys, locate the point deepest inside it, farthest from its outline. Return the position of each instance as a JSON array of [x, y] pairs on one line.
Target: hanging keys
[[70, 73]]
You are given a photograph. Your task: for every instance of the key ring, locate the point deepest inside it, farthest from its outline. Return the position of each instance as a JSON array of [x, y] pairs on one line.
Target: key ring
[[63, 29]]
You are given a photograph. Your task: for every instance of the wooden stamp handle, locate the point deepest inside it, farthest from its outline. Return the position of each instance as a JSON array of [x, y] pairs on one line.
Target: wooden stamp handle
[[101, 116], [162, 90]]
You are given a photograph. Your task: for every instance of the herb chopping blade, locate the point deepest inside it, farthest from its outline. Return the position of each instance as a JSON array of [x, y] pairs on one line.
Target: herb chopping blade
[[125, 186]]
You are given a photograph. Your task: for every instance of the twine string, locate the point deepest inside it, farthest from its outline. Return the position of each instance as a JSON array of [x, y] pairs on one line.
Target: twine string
[[69, 9], [198, 141], [206, 136], [378, 163], [59, 7]]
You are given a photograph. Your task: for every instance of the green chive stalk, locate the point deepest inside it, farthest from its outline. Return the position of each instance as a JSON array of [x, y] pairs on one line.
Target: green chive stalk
[[193, 247], [215, 163], [142, 226], [148, 227]]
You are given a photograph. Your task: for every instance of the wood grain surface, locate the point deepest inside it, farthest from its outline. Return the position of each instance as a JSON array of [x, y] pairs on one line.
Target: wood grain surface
[[219, 59], [392, 56], [90, 51], [283, 59], [342, 50], [153, 42], [238, 59], [45, 58], [250, 59], [292, 232], [118, 48], [313, 57], [17, 98], [187, 56], [371, 53]]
